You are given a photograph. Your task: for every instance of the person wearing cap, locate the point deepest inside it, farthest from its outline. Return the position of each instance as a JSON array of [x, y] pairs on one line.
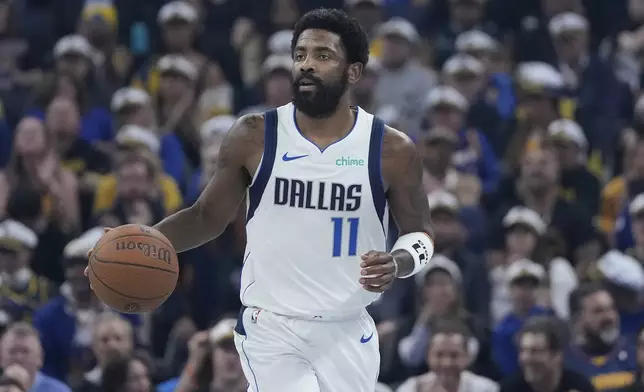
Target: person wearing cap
[[132, 105], [99, 24], [21, 289], [469, 76], [446, 107], [623, 277], [66, 323], [441, 286], [180, 26], [214, 348], [585, 71], [523, 278], [404, 81], [275, 87], [597, 349], [369, 13], [537, 187], [363, 92], [37, 166], [577, 181]]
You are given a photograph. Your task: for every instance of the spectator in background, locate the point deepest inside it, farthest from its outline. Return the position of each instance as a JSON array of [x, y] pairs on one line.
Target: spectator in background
[[446, 107], [95, 121], [35, 164], [364, 90], [127, 374], [20, 345], [19, 374], [449, 355], [524, 277], [639, 383], [452, 224], [635, 219], [112, 338], [403, 81], [67, 322], [369, 13], [541, 352], [275, 85], [98, 24], [22, 291], [8, 384], [623, 278], [133, 106], [597, 350], [578, 183], [441, 289], [213, 364], [74, 55]]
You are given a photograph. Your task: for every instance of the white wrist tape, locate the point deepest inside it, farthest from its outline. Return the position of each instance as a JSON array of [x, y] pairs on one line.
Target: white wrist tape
[[419, 245]]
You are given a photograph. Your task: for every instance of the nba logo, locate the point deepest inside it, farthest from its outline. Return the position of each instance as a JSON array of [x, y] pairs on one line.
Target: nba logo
[[254, 315]]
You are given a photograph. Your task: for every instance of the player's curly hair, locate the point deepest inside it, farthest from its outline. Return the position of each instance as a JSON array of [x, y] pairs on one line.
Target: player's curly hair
[[353, 36]]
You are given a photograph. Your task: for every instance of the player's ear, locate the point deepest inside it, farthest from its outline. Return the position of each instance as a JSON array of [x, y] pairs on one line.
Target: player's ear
[[354, 72]]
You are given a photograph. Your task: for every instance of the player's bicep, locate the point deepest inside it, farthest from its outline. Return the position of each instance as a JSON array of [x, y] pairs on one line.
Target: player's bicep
[[227, 187], [406, 195]]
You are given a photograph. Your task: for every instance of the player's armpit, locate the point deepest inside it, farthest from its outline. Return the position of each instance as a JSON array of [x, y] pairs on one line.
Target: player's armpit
[[403, 173], [217, 206]]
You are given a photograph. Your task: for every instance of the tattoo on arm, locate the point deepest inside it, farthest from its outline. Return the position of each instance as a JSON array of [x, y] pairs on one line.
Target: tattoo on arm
[[406, 194]]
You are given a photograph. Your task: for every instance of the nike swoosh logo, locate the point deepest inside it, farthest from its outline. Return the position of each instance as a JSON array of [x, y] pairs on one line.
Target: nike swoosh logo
[[286, 158], [365, 340]]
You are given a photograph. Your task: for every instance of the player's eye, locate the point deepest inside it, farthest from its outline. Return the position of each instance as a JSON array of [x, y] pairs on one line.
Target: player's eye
[[324, 57], [298, 57]]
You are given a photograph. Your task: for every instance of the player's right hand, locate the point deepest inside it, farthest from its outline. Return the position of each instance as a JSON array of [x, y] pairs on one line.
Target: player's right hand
[[89, 254]]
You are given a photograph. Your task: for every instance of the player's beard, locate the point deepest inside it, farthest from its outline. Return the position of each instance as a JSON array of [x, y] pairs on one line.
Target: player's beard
[[324, 100]]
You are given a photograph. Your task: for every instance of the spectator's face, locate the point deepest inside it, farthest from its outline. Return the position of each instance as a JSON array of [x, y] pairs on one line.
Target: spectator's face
[[74, 64], [226, 362], [368, 15], [440, 291], [448, 357], [521, 240], [12, 261], [640, 350], [468, 84], [209, 156], [98, 31], [278, 88], [138, 377], [568, 153], [141, 115], [178, 35], [134, 181], [485, 56], [599, 317], [447, 228], [535, 357], [30, 138], [571, 46], [436, 153], [536, 107], [523, 293], [467, 13], [16, 349], [321, 74], [111, 338], [554, 7], [540, 169], [63, 122], [66, 88], [173, 87], [447, 116], [395, 51], [75, 276]]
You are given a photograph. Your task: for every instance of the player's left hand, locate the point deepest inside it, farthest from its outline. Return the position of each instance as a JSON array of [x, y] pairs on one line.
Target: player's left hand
[[378, 271]]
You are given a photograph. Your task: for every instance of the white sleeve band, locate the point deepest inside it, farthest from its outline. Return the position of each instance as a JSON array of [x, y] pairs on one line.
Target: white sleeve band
[[419, 245]]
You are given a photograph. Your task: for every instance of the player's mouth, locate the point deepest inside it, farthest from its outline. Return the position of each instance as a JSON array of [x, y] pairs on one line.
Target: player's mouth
[[307, 85]]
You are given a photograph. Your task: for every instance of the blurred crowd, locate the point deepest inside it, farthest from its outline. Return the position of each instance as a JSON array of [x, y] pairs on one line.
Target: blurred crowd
[[529, 120]]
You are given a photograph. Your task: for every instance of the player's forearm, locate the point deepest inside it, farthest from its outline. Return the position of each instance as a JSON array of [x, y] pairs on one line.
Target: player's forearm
[[189, 228]]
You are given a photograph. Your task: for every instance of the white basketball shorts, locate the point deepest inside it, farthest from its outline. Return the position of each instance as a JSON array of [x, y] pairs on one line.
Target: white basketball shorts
[[284, 354]]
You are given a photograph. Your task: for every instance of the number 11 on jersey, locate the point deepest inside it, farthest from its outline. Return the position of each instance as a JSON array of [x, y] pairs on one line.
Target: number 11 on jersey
[[339, 237]]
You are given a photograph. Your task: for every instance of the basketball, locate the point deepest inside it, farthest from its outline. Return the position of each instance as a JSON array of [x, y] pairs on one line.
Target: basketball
[[133, 269]]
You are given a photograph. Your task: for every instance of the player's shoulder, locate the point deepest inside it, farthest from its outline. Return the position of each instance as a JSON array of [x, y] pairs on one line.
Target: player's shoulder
[[396, 143], [245, 137]]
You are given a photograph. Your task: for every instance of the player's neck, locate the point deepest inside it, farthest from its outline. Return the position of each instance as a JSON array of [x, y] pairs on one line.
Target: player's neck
[[336, 125]]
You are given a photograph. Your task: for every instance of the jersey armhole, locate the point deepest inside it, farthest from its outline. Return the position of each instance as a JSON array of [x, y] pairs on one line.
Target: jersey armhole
[[375, 167], [265, 168]]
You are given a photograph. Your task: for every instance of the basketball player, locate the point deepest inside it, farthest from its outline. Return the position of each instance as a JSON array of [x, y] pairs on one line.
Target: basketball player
[[318, 176]]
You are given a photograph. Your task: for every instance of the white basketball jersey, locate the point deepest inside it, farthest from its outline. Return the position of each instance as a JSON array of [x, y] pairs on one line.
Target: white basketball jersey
[[311, 214]]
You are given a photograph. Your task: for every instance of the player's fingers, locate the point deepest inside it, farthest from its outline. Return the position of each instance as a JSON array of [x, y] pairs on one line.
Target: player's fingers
[[380, 258], [377, 288], [370, 254], [379, 280], [378, 269]]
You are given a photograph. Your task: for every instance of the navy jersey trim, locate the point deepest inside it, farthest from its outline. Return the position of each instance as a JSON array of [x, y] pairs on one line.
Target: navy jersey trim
[[266, 167], [375, 167]]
